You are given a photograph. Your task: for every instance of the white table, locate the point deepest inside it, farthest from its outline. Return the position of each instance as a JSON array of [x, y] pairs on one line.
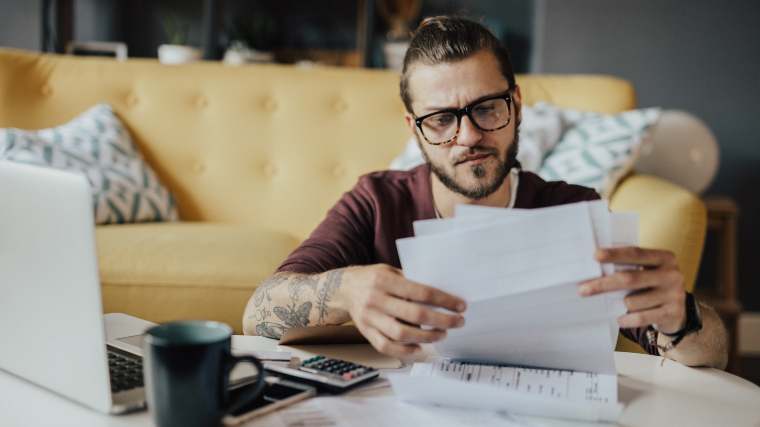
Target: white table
[[656, 392]]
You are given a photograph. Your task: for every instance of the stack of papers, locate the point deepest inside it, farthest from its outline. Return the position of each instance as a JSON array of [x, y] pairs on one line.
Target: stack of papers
[[519, 271]]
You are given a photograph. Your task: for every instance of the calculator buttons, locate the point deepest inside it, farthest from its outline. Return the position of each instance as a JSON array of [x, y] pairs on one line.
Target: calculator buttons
[[333, 375]]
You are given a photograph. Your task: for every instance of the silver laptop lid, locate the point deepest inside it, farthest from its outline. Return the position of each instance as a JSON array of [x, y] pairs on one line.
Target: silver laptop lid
[[51, 320]]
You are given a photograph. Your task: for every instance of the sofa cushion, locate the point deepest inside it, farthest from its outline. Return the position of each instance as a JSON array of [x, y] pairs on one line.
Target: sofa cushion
[[170, 271], [96, 144]]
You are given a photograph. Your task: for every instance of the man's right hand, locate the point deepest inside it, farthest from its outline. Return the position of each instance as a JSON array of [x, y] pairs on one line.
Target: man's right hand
[[390, 310]]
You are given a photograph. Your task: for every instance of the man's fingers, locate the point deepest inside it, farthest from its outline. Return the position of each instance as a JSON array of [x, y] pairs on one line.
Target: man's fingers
[[646, 299], [400, 332], [384, 345], [641, 318], [636, 256], [418, 314], [623, 280], [427, 295]]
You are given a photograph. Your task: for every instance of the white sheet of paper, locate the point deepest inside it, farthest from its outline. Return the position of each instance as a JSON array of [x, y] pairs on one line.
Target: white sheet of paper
[[505, 258], [509, 270], [572, 332], [625, 232], [610, 230], [625, 229], [472, 214], [427, 227], [380, 412]]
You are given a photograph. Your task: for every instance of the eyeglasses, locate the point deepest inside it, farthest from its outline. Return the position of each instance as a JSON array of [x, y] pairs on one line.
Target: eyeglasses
[[487, 114]]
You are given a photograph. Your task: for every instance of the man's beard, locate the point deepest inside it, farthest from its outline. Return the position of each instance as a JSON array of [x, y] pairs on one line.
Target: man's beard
[[479, 171]]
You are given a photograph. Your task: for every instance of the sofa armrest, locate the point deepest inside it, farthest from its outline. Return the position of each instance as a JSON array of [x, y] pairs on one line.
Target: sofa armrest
[[671, 218]]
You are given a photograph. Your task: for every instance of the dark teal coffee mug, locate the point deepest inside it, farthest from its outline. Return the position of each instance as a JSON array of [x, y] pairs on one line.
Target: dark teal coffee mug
[[187, 367]]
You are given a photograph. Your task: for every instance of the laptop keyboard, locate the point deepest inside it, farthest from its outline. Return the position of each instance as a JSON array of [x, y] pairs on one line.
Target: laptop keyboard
[[126, 372]]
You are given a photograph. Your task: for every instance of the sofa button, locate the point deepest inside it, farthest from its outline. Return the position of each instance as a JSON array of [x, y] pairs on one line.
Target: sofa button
[[201, 102], [340, 106], [339, 171], [46, 90], [199, 168], [131, 100], [270, 104], [269, 170]]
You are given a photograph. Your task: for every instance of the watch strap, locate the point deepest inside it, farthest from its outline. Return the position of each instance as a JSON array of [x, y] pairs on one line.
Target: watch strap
[[693, 324]]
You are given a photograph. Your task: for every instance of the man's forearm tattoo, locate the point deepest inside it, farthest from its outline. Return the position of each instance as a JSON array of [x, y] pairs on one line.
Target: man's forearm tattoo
[[262, 292], [298, 283], [265, 327], [272, 322], [332, 283], [292, 317], [270, 330]]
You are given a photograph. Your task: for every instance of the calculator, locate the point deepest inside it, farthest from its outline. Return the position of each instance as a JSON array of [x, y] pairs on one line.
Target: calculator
[[326, 374]]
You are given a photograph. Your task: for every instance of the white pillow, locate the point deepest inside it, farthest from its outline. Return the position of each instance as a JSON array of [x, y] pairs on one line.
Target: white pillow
[[541, 128], [125, 189]]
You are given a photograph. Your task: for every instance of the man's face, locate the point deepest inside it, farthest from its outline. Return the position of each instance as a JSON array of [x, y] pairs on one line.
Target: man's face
[[476, 163]]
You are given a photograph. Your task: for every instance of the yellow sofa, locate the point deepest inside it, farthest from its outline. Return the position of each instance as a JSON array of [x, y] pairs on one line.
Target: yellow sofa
[[256, 155]]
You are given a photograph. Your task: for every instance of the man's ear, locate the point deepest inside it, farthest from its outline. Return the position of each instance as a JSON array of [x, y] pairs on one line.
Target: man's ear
[[517, 99], [410, 123]]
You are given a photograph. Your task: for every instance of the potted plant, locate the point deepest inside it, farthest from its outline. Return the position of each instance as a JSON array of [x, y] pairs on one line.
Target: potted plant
[[176, 51], [251, 40]]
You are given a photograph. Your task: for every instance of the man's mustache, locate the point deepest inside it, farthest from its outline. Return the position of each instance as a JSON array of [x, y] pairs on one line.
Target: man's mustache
[[474, 151]]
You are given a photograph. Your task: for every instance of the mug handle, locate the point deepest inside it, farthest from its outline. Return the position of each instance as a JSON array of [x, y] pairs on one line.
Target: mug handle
[[249, 396]]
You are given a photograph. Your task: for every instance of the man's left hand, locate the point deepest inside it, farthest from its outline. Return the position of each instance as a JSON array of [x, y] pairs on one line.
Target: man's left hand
[[656, 289]]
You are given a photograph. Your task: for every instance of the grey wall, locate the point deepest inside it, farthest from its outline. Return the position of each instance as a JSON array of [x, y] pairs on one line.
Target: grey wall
[[20, 24], [510, 20], [701, 56]]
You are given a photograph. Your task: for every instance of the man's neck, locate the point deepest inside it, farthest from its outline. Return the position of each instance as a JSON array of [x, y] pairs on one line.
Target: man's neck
[[444, 200]]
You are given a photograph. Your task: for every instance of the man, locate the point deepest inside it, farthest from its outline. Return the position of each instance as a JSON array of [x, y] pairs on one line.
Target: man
[[463, 106]]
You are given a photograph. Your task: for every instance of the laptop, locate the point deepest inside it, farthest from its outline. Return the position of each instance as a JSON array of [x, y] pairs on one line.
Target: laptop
[[53, 330]]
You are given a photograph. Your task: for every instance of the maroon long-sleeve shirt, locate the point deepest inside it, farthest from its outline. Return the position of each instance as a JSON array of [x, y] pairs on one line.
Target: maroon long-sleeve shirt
[[362, 228]]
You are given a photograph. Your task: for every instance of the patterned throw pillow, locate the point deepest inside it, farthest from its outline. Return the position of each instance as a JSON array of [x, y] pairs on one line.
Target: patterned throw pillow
[[598, 150], [124, 187]]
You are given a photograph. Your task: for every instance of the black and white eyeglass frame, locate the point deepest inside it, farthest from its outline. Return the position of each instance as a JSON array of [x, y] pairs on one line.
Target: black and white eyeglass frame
[[467, 110]]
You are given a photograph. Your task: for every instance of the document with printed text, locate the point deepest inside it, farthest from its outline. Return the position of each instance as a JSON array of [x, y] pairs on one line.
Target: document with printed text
[[554, 383]]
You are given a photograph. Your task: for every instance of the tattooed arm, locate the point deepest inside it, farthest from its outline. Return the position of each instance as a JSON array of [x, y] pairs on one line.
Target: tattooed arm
[[393, 313], [294, 300]]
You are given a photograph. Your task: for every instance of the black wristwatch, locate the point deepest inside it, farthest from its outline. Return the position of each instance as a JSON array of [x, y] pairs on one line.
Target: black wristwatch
[[693, 324]]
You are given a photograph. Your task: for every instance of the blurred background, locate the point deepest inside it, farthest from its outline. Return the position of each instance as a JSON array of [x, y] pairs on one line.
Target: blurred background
[[698, 56]]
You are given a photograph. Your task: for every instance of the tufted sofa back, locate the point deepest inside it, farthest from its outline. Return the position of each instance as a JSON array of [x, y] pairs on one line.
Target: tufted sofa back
[[265, 144]]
